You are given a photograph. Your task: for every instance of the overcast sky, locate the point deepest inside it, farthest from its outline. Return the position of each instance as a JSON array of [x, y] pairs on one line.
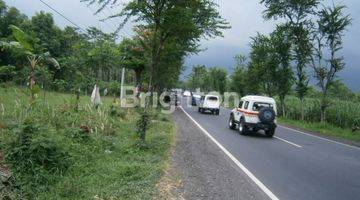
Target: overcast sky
[[245, 17]]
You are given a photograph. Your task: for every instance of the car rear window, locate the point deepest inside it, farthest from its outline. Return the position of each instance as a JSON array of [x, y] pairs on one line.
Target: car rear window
[[258, 105], [241, 104], [212, 98], [246, 105]]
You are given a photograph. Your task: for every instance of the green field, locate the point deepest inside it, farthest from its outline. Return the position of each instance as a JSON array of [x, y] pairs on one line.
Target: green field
[[55, 152]]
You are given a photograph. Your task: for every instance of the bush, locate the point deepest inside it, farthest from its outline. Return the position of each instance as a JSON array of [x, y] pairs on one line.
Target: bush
[[7, 73], [35, 157], [60, 85], [143, 124], [115, 111], [81, 134]]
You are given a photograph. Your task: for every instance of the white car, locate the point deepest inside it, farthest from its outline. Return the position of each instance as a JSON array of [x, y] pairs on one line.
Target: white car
[[187, 93], [209, 103], [254, 113]]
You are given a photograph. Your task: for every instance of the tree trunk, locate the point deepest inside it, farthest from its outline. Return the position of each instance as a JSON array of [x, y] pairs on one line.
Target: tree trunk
[[302, 108], [282, 104], [323, 107]]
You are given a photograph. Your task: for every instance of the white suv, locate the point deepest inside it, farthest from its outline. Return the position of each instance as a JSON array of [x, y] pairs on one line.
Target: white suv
[[254, 113], [209, 103]]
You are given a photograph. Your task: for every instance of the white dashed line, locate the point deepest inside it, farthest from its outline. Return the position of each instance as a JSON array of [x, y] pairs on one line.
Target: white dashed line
[[236, 161], [291, 143], [318, 137]]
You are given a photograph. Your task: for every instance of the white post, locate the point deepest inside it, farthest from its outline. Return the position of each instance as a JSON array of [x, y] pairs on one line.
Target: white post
[[122, 86]]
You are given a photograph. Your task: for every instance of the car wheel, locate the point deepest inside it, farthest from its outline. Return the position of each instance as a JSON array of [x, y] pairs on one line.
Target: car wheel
[[217, 112], [270, 133], [232, 124], [243, 130]]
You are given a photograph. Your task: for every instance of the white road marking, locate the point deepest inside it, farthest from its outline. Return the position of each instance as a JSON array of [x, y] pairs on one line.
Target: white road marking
[[321, 138], [236, 161], [291, 143], [314, 136]]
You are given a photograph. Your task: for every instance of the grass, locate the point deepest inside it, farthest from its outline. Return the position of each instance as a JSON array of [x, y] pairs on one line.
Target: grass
[[111, 163], [326, 130]]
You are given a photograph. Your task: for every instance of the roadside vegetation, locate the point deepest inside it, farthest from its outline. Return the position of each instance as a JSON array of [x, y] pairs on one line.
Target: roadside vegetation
[[298, 64], [54, 143], [55, 152]]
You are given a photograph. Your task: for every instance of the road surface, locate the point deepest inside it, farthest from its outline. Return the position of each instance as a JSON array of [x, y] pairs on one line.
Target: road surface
[[292, 165]]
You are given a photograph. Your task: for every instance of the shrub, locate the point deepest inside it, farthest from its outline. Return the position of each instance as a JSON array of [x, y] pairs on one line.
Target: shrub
[[7, 73], [35, 156], [81, 134], [143, 124], [117, 112]]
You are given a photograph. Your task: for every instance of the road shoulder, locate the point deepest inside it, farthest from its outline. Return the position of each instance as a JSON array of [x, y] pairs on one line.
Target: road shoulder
[[205, 171]]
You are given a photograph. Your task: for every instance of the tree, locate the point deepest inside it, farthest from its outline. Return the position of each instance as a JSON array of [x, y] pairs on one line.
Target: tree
[[24, 43], [184, 22], [198, 78], [262, 69], [298, 20], [339, 90], [238, 80], [217, 79], [133, 58], [281, 57], [328, 36]]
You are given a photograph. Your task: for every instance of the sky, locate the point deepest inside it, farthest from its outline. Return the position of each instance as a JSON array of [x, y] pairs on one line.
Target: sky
[[245, 17]]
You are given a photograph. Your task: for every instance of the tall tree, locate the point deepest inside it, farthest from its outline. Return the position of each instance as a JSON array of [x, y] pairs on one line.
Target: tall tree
[[133, 56], [281, 57], [262, 69], [184, 22], [297, 14], [218, 79], [198, 78], [238, 80], [328, 36]]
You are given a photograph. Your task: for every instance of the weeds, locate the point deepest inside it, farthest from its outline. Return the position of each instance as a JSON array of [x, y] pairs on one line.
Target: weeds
[[80, 154]]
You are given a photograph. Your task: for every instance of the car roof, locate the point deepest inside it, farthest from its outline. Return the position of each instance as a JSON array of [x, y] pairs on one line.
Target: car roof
[[210, 95], [258, 98]]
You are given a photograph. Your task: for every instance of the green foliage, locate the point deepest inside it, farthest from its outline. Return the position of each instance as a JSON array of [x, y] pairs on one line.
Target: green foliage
[[35, 157], [328, 38], [341, 113], [208, 79], [7, 73], [217, 79], [143, 123], [239, 78], [95, 142]]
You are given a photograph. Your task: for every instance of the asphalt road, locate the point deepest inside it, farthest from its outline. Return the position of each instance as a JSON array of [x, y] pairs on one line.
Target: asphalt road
[[292, 165]]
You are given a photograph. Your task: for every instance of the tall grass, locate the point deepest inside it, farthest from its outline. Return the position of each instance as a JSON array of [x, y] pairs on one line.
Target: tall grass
[[100, 145], [344, 114]]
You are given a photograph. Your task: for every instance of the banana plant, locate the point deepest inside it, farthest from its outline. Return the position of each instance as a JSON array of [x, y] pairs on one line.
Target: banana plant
[[25, 44]]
